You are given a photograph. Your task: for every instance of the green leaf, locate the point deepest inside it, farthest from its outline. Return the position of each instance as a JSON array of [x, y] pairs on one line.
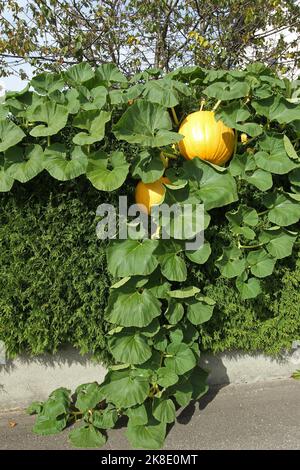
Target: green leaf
[[34, 408], [62, 166], [243, 216], [88, 396], [147, 124], [165, 92], [147, 167], [150, 436], [53, 115], [125, 388], [97, 99], [199, 312], [174, 312], [164, 410], [93, 122], [283, 211], [109, 73], [294, 177], [279, 242], [129, 347], [215, 189], [277, 108], [87, 437], [227, 91], [231, 263], [184, 293], [105, 419], [262, 264], [107, 172], [261, 179], [47, 425], [182, 358], [201, 255], [173, 267], [132, 257], [46, 83], [24, 163], [272, 156], [249, 289], [289, 148], [79, 74], [137, 415], [10, 135], [6, 182], [132, 308], [234, 116], [166, 377]]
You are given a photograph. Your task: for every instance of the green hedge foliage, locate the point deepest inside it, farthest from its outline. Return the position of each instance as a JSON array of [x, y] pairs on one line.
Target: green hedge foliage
[[54, 282]]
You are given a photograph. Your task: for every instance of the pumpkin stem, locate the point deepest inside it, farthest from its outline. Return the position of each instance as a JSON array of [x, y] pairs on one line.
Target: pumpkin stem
[[48, 141], [175, 116], [216, 105], [202, 103]]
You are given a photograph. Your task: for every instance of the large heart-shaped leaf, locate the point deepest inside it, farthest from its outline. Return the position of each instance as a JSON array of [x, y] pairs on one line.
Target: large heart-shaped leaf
[[132, 307], [234, 116], [96, 98], [165, 92], [107, 172], [109, 73], [272, 155], [231, 263], [147, 124], [46, 83], [227, 91], [93, 122], [283, 210], [132, 257], [10, 134], [125, 388], [164, 410], [79, 73], [262, 264], [54, 116], [249, 289], [199, 312], [23, 164], [277, 108], [150, 436], [214, 188], [147, 167], [88, 396], [180, 358], [129, 347], [279, 242], [63, 166], [87, 437]]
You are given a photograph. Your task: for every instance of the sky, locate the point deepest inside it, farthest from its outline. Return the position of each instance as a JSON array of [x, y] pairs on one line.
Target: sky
[[14, 82]]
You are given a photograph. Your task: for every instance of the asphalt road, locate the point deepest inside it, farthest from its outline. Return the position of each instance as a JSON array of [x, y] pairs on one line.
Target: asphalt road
[[257, 416]]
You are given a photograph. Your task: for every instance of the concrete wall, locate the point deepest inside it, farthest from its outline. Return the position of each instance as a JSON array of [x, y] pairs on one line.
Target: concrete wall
[[26, 379]]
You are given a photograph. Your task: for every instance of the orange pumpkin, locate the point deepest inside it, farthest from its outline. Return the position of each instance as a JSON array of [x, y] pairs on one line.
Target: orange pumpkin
[[206, 138], [150, 194]]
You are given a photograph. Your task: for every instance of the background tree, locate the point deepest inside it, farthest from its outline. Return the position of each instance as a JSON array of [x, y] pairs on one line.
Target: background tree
[[137, 34]]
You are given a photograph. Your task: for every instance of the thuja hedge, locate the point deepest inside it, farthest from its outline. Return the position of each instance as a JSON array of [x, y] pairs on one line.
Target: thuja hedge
[[112, 131], [54, 282]]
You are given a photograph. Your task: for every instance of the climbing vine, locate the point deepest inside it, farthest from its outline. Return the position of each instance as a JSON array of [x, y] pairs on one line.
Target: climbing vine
[[99, 123]]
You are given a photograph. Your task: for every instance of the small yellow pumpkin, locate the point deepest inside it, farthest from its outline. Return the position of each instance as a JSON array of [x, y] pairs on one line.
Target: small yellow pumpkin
[[150, 194], [206, 138]]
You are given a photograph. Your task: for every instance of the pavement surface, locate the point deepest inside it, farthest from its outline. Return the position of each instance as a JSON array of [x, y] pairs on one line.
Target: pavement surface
[[257, 416]]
